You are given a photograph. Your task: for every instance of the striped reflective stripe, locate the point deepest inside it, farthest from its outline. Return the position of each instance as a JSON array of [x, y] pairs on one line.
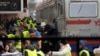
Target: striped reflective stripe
[[78, 22], [84, 51]]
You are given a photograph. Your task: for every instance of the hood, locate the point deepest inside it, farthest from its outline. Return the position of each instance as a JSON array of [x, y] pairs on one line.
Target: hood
[[68, 46], [43, 24], [83, 43], [31, 47]]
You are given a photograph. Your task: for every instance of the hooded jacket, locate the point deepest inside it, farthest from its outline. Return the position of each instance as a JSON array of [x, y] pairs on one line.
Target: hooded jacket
[[31, 48], [84, 50], [64, 51]]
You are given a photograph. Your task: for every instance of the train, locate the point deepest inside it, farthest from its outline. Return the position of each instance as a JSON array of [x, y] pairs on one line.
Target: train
[[79, 18]]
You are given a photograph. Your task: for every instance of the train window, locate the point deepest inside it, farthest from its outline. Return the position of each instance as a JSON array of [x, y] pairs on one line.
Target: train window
[[83, 9]]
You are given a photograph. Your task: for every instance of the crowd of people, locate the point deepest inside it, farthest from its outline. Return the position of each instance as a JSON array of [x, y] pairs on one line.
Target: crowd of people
[[25, 28], [31, 47], [10, 46]]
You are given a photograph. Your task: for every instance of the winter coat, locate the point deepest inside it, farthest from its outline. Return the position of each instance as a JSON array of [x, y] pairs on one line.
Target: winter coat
[[64, 51]]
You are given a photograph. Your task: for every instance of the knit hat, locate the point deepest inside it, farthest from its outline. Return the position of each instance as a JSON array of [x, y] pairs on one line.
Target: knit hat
[[83, 42]]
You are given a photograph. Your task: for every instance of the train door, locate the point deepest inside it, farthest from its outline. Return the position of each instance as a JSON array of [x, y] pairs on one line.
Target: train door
[[61, 17]]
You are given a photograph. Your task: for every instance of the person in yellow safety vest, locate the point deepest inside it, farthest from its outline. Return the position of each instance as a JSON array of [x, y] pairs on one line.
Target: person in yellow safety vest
[[35, 24], [30, 24], [25, 20], [25, 33], [18, 45], [83, 49], [84, 53], [65, 50], [18, 22], [30, 51], [40, 53], [11, 34]]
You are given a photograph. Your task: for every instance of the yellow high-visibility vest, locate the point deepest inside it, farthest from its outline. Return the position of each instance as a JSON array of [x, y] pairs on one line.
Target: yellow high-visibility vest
[[18, 45], [18, 22], [84, 51], [35, 24], [41, 53], [28, 26], [31, 25], [26, 34], [31, 52], [30, 21], [11, 36]]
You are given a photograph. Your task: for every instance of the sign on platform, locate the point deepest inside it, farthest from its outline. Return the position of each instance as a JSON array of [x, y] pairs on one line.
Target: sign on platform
[[11, 6]]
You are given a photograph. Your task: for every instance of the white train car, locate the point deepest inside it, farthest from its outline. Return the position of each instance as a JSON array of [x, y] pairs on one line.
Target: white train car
[[77, 17], [82, 17]]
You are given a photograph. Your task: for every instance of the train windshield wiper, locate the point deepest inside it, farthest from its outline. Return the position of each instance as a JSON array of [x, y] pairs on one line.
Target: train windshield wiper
[[80, 8]]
